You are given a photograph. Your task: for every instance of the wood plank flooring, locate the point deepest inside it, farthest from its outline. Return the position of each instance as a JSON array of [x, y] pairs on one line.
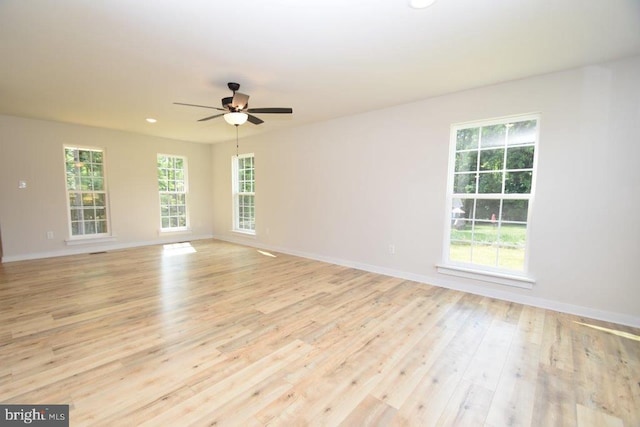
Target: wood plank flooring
[[211, 333]]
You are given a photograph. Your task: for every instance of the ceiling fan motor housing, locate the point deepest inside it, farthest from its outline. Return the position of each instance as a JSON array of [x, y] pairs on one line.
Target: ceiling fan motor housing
[[226, 102]]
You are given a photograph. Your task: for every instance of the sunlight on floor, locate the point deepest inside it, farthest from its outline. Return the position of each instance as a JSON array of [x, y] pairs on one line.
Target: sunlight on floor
[[612, 331], [265, 253], [172, 249]]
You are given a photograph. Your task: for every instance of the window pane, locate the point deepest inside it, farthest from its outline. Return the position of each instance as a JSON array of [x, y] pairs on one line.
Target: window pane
[[515, 210], [101, 226], [76, 215], [467, 138], [99, 199], [87, 199], [513, 235], [461, 210], [518, 182], [96, 171], [484, 254], [86, 184], [520, 158], [511, 258], [466, 161], [492, 159], [84, 156], [76, 228], [487, 209], [490, 182], [75, 199], [493, 136], [464, 183], [522, 132], [72, 182], [89, 227], [485, 232]]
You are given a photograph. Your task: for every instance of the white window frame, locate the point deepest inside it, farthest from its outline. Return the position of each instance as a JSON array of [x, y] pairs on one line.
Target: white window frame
[[79, 211], [237, 194], [171, 211], [494, 274]]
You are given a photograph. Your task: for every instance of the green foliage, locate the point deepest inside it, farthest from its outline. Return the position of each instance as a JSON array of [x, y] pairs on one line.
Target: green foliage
[[520, 157], [492, 160], [483, 169], [171, 174], [467, 138], [493, 136]]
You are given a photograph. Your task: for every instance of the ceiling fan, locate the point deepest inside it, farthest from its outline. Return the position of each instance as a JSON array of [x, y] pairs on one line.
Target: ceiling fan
[[236, 108]]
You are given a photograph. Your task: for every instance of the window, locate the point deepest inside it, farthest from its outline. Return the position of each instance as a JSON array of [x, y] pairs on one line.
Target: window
[[244, 219], [172, 186], [86, 192], [491, 183]]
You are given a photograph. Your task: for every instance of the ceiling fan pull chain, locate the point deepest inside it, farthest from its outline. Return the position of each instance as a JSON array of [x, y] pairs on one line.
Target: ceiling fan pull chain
[[236, 141]]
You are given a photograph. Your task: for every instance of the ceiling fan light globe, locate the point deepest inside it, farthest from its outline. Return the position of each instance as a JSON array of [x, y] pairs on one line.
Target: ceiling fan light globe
[[236, 118]]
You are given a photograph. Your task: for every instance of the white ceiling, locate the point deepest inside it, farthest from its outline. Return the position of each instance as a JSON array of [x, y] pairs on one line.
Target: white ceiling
[[113, 63]]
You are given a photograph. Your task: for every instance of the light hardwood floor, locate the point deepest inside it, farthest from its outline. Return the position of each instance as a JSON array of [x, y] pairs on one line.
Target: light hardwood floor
[[227, 335]]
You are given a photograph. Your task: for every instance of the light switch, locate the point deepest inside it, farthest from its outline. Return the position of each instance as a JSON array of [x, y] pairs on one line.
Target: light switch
[[22, 184]]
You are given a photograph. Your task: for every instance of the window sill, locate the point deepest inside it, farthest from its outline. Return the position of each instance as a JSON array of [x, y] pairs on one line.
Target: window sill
[[251, 234], [169, 231], [89, 240], [488, 276]]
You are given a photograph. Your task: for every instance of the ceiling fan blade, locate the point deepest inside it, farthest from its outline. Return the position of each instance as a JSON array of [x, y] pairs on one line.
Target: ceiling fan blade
[[211, 117], [271, 110], [240, 101], [201, 106], [255, 120]]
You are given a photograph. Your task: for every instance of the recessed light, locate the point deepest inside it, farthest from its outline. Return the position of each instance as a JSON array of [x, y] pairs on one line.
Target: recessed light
[[151, 120], [421, 4]]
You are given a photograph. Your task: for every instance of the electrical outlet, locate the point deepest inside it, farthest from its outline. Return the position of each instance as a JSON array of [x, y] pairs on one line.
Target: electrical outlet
[[50, 235], [392, 249]]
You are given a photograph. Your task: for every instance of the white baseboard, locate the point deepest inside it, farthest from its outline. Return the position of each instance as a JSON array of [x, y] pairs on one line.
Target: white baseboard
[[105, 246], [450, 283]]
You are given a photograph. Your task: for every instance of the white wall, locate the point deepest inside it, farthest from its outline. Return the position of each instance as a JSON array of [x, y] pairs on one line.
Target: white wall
[[32, 150], [344, 190]]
